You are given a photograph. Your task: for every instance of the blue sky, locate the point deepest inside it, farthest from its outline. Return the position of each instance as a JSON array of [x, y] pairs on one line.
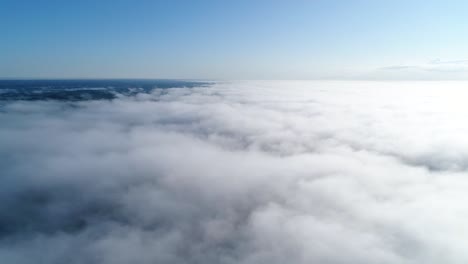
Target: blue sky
[[254, 39]]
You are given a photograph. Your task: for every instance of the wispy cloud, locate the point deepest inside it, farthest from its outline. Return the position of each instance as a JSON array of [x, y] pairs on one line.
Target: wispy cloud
[[436, 65]]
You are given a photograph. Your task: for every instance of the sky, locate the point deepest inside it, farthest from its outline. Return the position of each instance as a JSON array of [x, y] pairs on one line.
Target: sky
[[211, 39]]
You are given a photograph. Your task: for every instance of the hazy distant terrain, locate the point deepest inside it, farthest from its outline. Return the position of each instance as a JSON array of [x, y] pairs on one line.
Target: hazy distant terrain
[[81, 90], [233, 172]]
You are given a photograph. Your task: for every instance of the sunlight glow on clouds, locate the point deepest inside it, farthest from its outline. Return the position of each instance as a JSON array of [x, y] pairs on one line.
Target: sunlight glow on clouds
[[239, 172]]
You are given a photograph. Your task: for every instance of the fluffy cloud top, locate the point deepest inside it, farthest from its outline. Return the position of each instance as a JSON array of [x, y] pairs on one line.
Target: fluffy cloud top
[[239, 172]]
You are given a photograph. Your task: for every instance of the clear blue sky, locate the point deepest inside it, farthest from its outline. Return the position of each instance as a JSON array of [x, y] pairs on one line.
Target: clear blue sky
[[243, 39]]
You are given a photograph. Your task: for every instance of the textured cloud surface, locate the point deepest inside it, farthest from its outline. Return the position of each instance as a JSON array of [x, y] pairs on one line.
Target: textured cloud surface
[[239, 172]]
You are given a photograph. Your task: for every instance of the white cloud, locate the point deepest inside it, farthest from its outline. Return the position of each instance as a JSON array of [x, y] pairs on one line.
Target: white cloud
[[436, 65], [239, 172]]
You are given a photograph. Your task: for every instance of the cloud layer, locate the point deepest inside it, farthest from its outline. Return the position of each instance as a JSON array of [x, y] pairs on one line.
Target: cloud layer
[[239, 172]]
